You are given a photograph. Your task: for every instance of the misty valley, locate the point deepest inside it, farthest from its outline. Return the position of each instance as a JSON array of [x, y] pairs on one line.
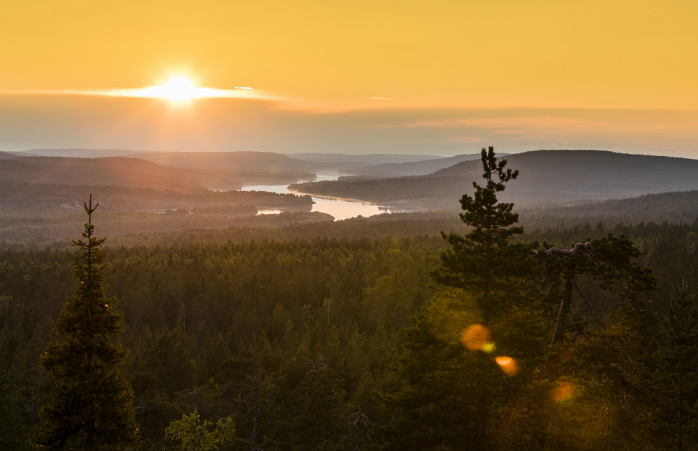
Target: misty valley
[[545, 300]]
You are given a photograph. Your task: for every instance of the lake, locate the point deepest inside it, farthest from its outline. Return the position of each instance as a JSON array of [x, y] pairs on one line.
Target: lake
[[337, 207]]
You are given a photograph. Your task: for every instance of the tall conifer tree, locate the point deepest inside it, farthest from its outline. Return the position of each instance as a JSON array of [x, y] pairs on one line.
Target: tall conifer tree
[[484, 262], [448, 391], [89, 405]]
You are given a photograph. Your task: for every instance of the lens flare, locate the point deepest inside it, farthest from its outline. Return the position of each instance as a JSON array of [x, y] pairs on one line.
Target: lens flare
[[476, 338], [488, 347], [563, 391], [507, 364]]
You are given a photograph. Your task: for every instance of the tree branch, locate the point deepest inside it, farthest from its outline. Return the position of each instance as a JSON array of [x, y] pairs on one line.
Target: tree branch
[[569, 252]]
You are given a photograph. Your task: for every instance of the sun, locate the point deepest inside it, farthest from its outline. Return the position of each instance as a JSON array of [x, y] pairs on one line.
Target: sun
[[178, 88], [181, 89]]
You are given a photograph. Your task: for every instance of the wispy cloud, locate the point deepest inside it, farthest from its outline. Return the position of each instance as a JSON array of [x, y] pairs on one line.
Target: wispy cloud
[[153, 92], [502, 122]]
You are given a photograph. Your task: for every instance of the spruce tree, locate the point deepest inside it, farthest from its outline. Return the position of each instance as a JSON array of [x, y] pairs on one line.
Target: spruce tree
[[89, 405]]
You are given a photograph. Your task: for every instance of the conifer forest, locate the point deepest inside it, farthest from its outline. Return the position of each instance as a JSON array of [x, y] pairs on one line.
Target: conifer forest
[[493, 330]]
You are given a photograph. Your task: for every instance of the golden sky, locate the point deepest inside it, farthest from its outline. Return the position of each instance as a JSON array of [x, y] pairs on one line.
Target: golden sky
[[327, 61]]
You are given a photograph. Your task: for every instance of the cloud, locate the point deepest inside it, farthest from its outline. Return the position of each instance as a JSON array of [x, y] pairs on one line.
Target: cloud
[[239, 92], [502, 122]]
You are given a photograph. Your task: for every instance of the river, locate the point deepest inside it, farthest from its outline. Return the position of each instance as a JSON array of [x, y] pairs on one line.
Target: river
[[337, 207]]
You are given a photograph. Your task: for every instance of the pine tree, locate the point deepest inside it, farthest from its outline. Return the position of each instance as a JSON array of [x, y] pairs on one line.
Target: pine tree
[[484, 262], [448, 389], [608, 261], [89, 405]]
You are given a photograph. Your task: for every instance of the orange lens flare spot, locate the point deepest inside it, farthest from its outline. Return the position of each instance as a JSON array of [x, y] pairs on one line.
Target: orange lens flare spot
[[507, 364], [475, 337], [563, 391], [503, 361]]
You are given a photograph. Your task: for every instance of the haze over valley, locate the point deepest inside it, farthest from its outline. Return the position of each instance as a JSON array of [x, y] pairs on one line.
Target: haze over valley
[[156, 192]]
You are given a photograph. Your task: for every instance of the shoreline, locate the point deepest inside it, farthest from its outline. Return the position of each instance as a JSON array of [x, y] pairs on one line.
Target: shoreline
[[345, 199]]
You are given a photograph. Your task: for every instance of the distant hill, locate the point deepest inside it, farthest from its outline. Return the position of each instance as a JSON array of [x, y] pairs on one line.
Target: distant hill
[[102, 171], [268, 162], [409, 168], [673, 207], [242, 161], [361, 160], [274, 163], [77, 153], [7, 155], [184, 172], [549, 177]]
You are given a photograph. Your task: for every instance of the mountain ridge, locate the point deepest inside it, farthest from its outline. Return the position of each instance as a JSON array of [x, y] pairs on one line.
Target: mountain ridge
[[422, 167]]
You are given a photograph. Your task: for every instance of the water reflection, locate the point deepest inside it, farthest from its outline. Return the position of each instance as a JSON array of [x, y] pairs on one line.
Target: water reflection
[[342, 209], [339, 208]]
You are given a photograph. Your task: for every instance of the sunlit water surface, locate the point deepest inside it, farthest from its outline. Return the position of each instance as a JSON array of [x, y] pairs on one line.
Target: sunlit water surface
[[337, 207]]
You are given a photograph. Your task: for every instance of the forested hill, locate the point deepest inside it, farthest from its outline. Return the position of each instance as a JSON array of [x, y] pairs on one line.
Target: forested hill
[[78, 153], [137, 172], [547, 177], [271, 162], [247, 161], [410, 168], [362, 160], [118, 171], [267, 162]]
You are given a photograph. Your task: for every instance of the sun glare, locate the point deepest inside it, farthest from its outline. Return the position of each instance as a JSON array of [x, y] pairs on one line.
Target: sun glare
[[177, 89], [181, 89]]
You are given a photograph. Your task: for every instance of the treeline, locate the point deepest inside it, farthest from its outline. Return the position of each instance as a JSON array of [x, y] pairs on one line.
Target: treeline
[[208, 216], [35, 199], [44, 213], [132, 227], [302, 342]]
